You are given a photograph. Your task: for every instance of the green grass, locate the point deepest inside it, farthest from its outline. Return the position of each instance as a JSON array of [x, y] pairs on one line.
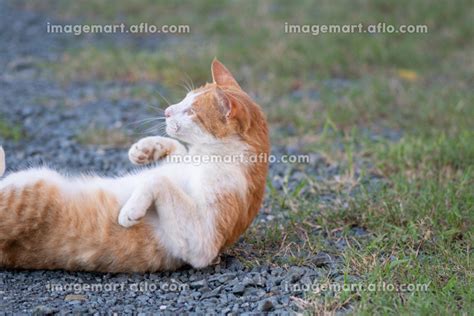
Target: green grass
[[330, 93], [240, 32], [420, 225], [424, 220], [10, 131]]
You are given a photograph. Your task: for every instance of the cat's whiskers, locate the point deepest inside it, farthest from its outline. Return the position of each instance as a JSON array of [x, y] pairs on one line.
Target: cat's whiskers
[[156, 108], [147, 120], [185, 85], [159, 128], [190, 80], [165, 99]]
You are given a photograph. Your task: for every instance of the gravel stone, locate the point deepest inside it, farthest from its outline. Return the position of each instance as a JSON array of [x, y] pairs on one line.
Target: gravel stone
[[265, 306], [238, 289]]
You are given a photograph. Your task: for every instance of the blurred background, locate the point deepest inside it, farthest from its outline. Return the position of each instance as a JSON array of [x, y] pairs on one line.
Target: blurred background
[[404, 81], [386, 119]]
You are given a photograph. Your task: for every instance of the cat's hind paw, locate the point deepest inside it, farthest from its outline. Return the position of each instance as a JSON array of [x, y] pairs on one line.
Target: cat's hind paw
[[129, 216]]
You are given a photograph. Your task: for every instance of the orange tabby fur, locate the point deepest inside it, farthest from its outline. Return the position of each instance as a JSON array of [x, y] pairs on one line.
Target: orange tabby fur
[[39, 229]]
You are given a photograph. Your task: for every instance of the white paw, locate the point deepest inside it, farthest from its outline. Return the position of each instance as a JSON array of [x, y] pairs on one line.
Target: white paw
[[129, 216], [148, 150]]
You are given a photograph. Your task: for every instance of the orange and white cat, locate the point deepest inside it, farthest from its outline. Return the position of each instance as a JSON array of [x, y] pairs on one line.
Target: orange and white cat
[[155, 219]]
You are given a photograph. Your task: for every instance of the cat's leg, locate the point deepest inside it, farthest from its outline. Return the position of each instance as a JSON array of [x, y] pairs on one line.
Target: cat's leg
[[136, 206], [153, 148], [184, 231], [150, 191]]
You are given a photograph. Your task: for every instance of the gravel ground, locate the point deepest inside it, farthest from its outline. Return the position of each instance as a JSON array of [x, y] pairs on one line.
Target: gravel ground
[[52, 117]]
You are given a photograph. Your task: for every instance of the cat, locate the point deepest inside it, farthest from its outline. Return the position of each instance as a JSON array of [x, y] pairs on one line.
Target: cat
[[167, 215]]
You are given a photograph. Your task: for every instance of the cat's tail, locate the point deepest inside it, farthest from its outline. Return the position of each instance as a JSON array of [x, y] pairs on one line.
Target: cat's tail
[[2, 161]]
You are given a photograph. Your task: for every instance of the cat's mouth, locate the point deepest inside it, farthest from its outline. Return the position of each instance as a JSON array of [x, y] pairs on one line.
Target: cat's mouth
[[172, 128]]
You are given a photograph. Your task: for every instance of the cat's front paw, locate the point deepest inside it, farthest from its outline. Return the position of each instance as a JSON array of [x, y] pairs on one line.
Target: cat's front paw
[[148, 150]]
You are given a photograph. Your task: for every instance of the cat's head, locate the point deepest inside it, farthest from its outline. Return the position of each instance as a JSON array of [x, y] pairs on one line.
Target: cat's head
[[215, 111]]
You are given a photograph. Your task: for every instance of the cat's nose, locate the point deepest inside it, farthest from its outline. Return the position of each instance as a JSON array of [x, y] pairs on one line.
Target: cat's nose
[[168, 112]]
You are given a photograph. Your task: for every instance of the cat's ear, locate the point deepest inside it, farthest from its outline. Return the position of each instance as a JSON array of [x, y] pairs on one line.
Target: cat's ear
[[234, 110], [221, 75]]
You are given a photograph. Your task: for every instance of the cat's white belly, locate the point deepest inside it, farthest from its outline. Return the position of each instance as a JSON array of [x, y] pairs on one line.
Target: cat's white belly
[[187, 231]]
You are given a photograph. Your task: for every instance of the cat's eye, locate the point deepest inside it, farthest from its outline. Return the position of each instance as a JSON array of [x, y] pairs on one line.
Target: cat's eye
[[190, 111]]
